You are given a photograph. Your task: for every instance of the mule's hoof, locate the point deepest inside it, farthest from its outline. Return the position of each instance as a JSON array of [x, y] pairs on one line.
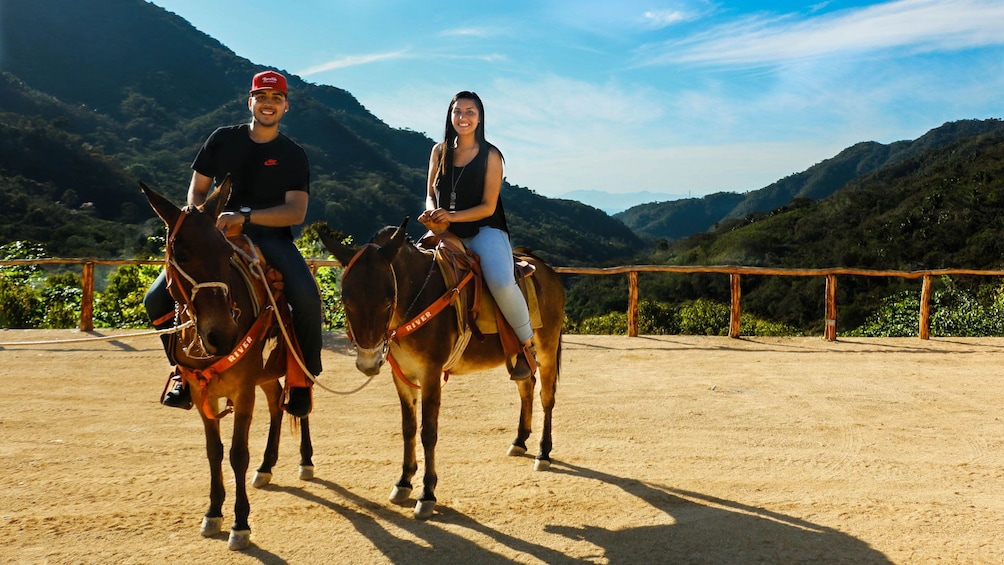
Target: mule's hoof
[[400, 495], [306, 472], [239, 540], [261, 479], [516, 451], [211, 526], [424, 508], [541, 464]]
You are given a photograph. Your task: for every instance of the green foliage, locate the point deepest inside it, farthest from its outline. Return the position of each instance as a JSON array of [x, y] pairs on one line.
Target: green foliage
[[704, 317], [121, 304], [955, 312], [20, 302], [61, 301], [328, 278], [699, 317]]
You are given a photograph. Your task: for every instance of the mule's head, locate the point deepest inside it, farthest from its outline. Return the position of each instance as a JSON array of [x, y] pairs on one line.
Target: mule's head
[[198, 265], [369, 294]]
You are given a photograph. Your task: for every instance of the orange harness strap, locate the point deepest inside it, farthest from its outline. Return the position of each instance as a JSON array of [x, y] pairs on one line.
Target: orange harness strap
[[202, 377], [420, 320]]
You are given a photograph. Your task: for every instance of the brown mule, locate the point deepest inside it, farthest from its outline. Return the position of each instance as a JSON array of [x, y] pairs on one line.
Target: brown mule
[[228, 353], [400, 309]]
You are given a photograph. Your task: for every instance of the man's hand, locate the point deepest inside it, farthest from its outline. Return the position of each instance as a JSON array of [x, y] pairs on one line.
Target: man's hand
[[230, 223]]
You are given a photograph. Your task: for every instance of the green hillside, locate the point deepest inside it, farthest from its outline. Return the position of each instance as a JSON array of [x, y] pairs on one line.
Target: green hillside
[[941, 207], [682, 218], [96, 96]]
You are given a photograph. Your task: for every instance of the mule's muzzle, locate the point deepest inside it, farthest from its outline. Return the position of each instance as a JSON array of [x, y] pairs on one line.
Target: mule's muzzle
[[369, 361]]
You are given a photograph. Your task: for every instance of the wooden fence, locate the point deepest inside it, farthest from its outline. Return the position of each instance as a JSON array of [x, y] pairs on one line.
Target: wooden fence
[[632, 272]]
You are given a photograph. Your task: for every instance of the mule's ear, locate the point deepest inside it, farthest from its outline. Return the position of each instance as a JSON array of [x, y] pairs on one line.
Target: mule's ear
[[394, 244], [162, 206], [217, 200], [341, 252]]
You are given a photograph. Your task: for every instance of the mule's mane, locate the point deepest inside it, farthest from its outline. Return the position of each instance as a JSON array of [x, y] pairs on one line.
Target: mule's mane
[[383, 236]]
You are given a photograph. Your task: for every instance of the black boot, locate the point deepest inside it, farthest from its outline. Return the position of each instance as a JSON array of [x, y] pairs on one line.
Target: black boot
[[179, 396], [299, 402], [526, 365]]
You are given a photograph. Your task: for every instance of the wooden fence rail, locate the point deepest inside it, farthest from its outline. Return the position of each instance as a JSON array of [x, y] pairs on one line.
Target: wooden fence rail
[[632, 271]]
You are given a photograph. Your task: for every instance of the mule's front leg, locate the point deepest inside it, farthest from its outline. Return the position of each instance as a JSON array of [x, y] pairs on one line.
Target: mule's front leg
[[431, 397], [409, 429], [212, 522], [240, 532], [263, 475]]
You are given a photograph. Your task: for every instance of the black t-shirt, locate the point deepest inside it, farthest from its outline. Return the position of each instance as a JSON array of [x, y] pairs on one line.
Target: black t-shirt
[[261, 173]]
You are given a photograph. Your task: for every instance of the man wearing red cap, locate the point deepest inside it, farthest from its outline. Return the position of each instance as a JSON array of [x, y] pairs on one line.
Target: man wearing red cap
[[271, 187]]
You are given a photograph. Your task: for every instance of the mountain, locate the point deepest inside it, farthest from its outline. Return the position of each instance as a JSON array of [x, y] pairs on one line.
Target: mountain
[[681, 218], [938, 205], [612, 203], [95, 96]]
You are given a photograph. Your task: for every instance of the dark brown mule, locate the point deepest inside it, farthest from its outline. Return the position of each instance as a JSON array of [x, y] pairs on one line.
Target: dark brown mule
[[387, 287], [211, 290]]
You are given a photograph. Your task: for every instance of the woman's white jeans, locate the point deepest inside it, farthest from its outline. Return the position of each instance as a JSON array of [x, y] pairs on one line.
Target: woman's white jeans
[[493, 247]]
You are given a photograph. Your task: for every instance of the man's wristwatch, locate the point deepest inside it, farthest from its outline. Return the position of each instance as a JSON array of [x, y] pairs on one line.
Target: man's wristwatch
[[246, 212]]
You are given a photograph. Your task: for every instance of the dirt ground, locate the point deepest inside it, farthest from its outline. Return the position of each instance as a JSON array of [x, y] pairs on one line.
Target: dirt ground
[[668, 449]]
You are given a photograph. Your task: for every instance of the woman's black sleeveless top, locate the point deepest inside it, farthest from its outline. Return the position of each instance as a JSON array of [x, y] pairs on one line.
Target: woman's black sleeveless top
[[469, 184]]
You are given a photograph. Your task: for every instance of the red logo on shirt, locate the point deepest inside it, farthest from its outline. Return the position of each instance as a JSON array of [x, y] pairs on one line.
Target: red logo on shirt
[[271, 163]]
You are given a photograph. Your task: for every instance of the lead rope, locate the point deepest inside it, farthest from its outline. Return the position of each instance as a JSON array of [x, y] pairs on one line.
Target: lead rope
[[256, 265]]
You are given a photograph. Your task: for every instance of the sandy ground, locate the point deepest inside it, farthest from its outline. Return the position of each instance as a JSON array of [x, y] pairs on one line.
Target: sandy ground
[[668, 449]]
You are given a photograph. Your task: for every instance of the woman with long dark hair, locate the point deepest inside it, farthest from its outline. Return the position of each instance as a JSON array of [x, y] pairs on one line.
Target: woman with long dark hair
[[464, 197]]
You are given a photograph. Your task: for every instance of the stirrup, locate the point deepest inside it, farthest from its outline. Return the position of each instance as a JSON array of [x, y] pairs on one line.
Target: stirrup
[[525, 366]]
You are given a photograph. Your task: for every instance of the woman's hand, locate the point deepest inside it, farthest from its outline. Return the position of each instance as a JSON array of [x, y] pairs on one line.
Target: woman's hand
[[437, 221]]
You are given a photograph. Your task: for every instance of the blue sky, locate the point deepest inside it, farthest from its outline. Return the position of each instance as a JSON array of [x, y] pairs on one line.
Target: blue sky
[[682, 97]]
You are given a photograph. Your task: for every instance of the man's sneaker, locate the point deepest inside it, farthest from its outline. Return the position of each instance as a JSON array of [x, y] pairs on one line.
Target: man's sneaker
[[178, 397], [299, 401]]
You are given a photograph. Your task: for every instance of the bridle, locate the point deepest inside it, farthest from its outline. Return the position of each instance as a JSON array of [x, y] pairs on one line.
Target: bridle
[[174, 269], [392, 333], [388, 333]]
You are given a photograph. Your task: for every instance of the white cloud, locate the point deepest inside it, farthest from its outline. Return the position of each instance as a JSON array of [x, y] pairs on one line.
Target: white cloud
[[918, 25], [658, 19], [352, 61]]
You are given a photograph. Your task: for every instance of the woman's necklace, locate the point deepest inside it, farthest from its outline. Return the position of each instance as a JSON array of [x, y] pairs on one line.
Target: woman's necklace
[[454, 182]]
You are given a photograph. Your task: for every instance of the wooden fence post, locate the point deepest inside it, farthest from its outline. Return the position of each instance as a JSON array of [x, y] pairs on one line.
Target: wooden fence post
[[830, 332], [87, 297], [925, 307], [633, 304], [736, 311]]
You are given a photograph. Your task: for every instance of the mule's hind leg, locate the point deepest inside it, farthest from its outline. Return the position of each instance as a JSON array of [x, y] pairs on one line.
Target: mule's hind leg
[[523, 429], [306, 450], [548, 389], [273, 394]]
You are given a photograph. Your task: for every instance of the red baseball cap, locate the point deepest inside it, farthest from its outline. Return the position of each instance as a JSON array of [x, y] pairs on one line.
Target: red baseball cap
[[269, 80]]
